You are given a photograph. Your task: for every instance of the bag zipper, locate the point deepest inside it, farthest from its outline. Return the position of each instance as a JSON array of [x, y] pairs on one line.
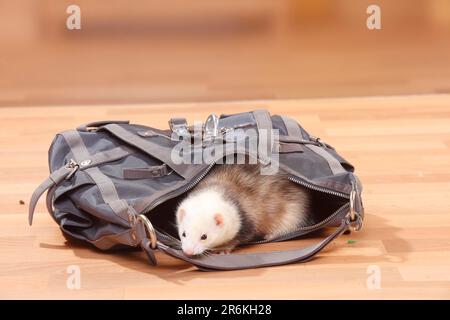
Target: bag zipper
[[316, 188], [298, 232], [192, 184], [316, 226], [166, 236], [284, 237]]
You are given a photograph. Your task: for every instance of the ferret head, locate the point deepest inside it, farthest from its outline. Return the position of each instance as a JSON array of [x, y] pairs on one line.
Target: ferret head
[[206, 220]]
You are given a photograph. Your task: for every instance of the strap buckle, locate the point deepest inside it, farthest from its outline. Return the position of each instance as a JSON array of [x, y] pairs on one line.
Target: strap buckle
[[73, 166], [159, 171], [179, 127]]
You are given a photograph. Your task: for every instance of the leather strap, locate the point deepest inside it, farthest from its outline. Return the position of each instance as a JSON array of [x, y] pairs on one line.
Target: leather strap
[[293, 139], [150, 134], [55, 178], [145, 173], [106, 156], [96, 124], [255, 260], [107, 188], [290, 147], [59, 175], [333, 163], [150, 147], [104, 183], [109, 193], [265, 140], [292, 127], [293, 130]]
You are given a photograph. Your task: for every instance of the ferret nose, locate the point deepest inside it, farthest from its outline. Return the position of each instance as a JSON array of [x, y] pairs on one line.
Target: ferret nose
[[189, 252]]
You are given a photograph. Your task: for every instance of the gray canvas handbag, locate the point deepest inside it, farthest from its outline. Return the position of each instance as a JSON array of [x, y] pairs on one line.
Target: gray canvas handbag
[[114, 184]]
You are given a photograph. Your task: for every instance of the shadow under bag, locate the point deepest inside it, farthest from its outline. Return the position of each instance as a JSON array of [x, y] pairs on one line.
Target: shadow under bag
[[115, 184]]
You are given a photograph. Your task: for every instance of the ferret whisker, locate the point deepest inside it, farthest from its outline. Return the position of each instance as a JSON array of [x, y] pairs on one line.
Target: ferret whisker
[[205, 253]]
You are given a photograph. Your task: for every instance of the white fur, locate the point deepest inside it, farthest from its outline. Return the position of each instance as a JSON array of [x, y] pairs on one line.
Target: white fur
[[198, 219]]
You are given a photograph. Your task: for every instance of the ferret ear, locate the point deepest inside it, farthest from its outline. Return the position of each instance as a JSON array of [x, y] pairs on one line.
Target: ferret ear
[[218, 218], [180, 214]]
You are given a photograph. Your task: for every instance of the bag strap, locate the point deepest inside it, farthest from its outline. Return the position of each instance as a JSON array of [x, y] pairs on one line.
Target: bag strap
[[264, 127], [66, 171], [96, 124], [294, 130], [54, 179], [258, 260], [154, 149]]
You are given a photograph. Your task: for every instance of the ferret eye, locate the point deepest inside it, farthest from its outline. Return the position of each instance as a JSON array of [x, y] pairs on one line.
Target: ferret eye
[[184, 234], [203, 237]]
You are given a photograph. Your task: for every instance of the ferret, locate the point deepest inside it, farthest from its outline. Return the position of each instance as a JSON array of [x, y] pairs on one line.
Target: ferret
[[234, 204]]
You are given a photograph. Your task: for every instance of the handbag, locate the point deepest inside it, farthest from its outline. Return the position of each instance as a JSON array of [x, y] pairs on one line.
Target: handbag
[[116, 185]]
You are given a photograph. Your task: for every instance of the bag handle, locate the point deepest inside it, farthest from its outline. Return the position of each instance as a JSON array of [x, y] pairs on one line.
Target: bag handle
[[54, 179], [85, 127], [258, 260]]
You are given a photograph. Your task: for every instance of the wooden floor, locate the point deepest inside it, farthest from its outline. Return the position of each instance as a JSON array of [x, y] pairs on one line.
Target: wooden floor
[[399, 145]]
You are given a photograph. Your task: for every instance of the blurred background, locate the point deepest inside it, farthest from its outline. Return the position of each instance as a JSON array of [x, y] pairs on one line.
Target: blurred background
[[144, 51]]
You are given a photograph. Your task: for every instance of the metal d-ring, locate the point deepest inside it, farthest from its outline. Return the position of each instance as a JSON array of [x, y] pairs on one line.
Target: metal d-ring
[[149, 229], [352, 205], [354, 219]]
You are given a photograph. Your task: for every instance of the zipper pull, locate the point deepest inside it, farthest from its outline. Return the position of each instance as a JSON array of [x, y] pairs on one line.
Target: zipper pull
[[73, 165], [317, 140]]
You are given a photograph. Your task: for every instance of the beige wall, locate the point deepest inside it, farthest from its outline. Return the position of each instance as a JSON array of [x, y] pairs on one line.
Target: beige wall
[[25, 20], [177, 50]]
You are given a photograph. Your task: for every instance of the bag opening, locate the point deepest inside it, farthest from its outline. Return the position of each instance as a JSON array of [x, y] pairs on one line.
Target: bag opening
[[163, 217]]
